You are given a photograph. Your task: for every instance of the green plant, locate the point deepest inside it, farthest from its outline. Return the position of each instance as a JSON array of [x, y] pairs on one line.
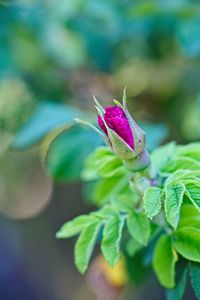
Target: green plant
[[148, 207]]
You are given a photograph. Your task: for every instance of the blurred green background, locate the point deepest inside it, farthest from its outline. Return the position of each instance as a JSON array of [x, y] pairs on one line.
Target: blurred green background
[[54, 55]]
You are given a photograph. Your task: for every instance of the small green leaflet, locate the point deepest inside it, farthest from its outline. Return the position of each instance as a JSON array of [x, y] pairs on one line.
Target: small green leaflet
[[187, 243], [193, 193], [152, 201], [85, 245], [164, 261], [194, 269], [74, 226], [139, 227], [110, 244], [174, 198]]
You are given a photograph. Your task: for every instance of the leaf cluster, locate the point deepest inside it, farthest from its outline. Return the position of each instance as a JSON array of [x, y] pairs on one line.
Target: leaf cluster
[[154, 213]]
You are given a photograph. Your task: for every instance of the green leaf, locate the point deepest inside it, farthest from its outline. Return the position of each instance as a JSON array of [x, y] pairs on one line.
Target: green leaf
[[85, 245], [162, 155], [45, 118], [182, 175], [102, 162], [164, 261], [187, 243], [92, 162], [191, 150], [174, 198], [139, 227], [74, 226], [125, 201], [106, 189], [181, 162], [189, 217], [67, 152], [152, 201], [194, 269], [177, 292], [111, 166], [189, 222], [110, 244], [106, 211], [193, 180], [188, 210], [193, 193]]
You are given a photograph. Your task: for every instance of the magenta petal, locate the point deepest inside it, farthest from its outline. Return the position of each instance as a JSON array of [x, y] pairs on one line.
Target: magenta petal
[[116, 119], [101, 124]]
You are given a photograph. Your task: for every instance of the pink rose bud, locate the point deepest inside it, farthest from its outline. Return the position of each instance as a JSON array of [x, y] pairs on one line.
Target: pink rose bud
[[126, 138], [122, 134]]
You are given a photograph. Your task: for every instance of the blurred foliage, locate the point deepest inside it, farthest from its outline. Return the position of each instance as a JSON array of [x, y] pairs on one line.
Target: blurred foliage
[[67, 51], [156, 42], [55, 55], [16, 104]]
